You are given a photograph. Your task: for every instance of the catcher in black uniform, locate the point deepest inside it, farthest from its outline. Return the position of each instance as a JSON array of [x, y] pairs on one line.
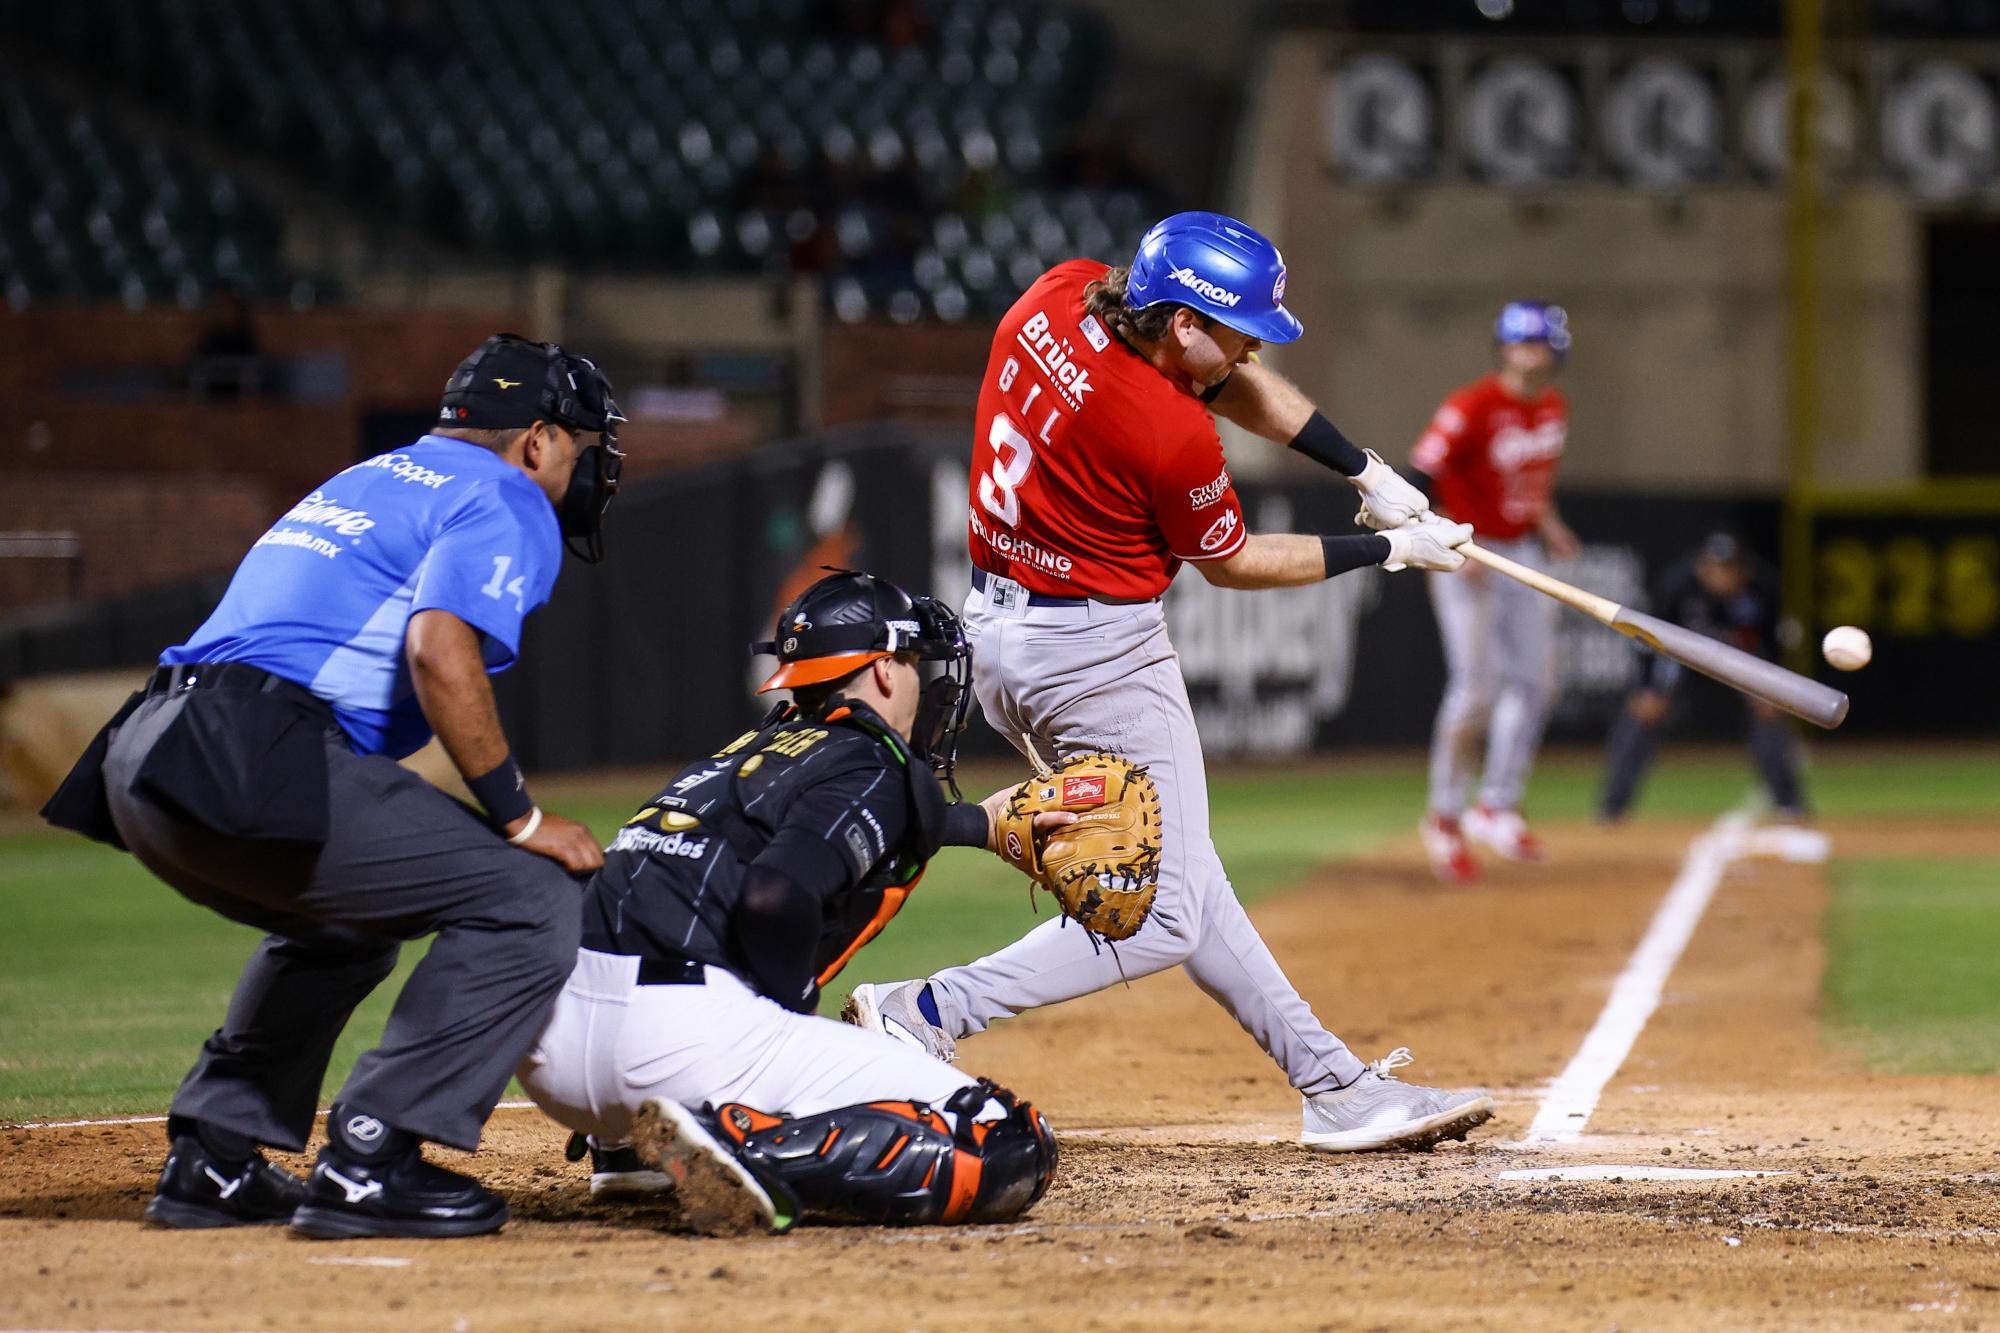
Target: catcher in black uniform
[[685, 1045]]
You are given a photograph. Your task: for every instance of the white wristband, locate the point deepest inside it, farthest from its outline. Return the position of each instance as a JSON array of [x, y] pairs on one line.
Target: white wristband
[[528, 829]]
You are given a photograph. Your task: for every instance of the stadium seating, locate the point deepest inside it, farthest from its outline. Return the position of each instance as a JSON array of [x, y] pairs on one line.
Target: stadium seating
[[88, 215], [906, 150]]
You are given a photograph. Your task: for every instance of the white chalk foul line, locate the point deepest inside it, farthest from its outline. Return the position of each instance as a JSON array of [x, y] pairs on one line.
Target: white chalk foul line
[[1613, 1171], [161, 1120], [1567, 1106], [84, 1124]]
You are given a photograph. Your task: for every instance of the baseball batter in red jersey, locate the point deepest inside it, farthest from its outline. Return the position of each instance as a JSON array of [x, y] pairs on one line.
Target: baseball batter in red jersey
[[1096, 473], [1490, 456]]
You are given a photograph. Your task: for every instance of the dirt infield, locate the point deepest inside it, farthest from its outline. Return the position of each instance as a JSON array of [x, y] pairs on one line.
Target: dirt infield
[[1183, 1201]]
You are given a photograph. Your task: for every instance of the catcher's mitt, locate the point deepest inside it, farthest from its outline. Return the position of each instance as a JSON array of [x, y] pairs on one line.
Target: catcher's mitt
[[1105, 868]]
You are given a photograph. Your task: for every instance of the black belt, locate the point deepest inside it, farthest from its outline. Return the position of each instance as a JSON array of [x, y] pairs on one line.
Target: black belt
[[229, 675], [672, 972], [980, 576], [658, 970]]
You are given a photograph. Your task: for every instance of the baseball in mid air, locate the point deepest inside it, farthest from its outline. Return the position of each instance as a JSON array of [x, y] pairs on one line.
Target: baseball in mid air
[[1847, 647]]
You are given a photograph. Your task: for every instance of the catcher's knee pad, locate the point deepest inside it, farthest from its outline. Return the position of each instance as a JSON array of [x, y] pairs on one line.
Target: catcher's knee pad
[[903, 1162]]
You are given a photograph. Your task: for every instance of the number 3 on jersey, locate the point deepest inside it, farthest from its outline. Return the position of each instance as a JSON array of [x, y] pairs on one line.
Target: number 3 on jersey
[[1013, 455]]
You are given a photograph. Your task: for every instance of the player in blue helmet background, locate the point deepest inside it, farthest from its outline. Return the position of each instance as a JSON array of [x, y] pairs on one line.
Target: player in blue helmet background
[[1529, 322], [1490, 455]]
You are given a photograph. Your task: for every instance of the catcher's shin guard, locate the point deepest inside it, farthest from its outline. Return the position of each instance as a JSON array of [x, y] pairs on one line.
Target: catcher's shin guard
[[902, 1162]]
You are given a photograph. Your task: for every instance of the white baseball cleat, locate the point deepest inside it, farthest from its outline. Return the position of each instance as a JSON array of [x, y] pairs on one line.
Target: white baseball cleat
[[1379, 1111], [1444, 843], [1504, 831], [890, 1008]]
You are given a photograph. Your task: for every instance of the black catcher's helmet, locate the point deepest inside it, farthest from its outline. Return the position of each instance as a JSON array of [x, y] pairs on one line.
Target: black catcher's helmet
[[849, 619], [511, 383]]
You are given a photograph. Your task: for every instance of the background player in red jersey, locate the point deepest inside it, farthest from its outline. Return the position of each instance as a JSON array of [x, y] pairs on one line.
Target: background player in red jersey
[[1096, 472], [1489, 459]]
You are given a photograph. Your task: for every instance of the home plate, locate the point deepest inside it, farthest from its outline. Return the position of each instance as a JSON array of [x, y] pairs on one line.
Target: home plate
[[1801, 846], [1611, 1171]]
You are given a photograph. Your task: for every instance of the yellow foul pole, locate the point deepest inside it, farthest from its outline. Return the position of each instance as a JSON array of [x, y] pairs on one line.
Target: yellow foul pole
[[1804, 33]]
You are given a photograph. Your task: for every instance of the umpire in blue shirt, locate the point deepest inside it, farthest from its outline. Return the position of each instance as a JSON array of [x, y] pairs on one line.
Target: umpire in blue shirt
[[256, 774]]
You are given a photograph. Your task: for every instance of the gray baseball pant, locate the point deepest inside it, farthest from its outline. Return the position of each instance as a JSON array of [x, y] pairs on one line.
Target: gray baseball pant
[[1499, 653], [402, 860], [1101, 677]]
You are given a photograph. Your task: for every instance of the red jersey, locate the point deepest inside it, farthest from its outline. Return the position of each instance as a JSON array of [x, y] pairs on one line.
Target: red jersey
[[1093, 474], [1492, 457]]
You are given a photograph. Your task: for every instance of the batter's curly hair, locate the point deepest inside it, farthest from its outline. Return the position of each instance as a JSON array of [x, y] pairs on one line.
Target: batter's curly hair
[[1105, 299]]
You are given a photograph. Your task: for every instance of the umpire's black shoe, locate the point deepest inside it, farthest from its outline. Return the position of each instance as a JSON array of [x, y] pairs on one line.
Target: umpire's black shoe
[[375, 1182], [198, 1189]]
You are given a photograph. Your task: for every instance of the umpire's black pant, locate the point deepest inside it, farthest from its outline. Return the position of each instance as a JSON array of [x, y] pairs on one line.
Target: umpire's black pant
[[401, 860], [1630, 748]]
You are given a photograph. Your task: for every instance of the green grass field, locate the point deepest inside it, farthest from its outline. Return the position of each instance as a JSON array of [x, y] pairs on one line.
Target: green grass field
[[109, 980], [1913, 966]]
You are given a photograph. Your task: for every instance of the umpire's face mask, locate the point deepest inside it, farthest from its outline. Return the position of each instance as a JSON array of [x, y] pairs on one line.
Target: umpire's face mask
[[594, 482], [591, 488]]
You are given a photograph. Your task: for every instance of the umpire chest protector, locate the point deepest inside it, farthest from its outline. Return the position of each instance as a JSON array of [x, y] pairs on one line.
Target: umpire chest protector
[[674, 874]]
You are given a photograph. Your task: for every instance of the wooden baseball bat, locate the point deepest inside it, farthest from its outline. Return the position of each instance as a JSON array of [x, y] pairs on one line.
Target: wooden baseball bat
[[1821, 705]]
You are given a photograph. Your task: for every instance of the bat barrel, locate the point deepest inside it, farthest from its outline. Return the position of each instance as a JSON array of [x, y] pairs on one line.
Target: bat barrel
[[1801, 696]]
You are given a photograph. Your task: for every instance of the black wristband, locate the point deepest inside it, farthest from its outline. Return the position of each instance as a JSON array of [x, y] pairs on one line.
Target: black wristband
[[503, 793], [966, 824], [1357, 552], [1321, 441]]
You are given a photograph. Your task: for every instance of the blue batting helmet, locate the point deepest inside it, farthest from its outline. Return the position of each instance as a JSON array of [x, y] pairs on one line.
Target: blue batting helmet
[[1534, 322], [1217, 266]]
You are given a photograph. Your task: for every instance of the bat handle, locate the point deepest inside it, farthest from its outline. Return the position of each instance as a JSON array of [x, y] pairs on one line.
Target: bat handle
[[1601, 609]]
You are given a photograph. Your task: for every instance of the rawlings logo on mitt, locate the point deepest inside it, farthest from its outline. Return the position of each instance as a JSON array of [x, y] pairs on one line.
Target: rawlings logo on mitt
[[1103, 869]]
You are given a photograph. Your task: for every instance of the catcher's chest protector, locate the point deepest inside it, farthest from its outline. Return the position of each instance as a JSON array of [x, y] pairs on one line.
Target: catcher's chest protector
[[901, 1162], [733, 804]]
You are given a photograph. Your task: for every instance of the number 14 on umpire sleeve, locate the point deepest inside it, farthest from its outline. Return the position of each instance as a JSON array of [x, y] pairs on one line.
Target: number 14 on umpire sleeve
[[1013, 455], [500, 583]]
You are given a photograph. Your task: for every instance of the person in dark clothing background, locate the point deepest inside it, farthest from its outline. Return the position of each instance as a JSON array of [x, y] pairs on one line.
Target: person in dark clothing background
[[1724, 591]]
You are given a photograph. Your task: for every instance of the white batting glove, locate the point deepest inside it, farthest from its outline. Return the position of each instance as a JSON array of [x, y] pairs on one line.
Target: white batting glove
[[1427, 543], [1387, 501]]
